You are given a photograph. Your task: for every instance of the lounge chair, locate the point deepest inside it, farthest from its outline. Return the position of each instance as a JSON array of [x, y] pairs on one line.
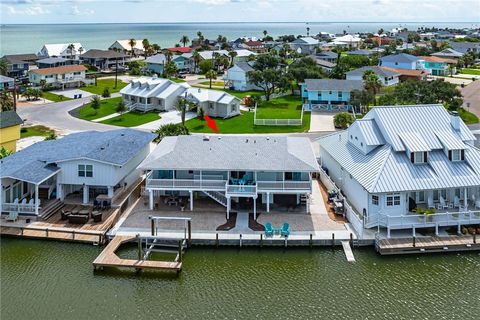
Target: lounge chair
[[12, 216], [443, 203], [268, 230], [97, 216], [285, 229], [96, 204], [431, 205], [456, 202], [78, 218]]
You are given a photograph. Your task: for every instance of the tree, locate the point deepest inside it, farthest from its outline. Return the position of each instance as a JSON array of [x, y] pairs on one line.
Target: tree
[[155, 48], [168, 55], [267, 80], [43, 84], [343, 120], [360, 99], [170, 69], [71, 49], [4, 152], [211, 75], [146, 46], [170, 129], [305, 68], [196, 59], [6, 100], [106, 93], [184, 39], [36, 94], [51, 136], [183, 105], [232, 54], [132, 42], [371, 82], [205, 66], [121, 107], [95, 103], [265, 32], [3, 67]]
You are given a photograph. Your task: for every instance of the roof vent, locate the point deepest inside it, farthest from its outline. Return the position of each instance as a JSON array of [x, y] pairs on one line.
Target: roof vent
[[246, 140], [199, 90], [268, 138], [206, 138], [455, 120], [154, 76]]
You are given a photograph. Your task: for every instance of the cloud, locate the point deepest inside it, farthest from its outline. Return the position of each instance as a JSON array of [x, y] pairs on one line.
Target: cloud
[[81, 12], [29, 11]]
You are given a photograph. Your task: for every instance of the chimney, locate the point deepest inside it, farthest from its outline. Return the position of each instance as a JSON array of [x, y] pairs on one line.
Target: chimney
[[206, 138], [455, 120]]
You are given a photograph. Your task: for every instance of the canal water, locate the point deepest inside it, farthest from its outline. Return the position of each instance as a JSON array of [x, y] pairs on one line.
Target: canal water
[[54, 280]]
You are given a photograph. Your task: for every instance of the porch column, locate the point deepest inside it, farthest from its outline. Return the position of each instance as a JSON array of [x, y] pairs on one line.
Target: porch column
[[465, 199], [307, 204], [298, 198], [1, 196], [85, 194], [388, 232], [228, 207], [459, 229], [255, 208], [60, 193], [36, 199], [110, 192], [413, 231], [150, 199], [268, 201], [191, 200], [436, 229]]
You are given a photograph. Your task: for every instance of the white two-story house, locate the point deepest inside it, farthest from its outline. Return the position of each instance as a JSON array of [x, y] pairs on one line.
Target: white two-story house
[[267, 171], [59, 77], [407, 167], [83, 165]]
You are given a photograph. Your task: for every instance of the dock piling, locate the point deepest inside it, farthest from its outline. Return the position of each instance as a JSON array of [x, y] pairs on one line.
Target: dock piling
[[189, 227], [261, 239], [351, 239], [216, 240], [286, 240], [333, 240], [414, 240], [474, 237], [180, 251], [139, 244], [240, 240], [311, 240]]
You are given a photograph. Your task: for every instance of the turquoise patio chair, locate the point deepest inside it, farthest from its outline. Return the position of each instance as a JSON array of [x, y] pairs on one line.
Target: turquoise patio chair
[[285, 229], [12, 216], [268, 230]]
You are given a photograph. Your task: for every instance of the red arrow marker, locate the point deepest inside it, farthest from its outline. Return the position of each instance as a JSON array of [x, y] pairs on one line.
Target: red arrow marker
[[211, 123]]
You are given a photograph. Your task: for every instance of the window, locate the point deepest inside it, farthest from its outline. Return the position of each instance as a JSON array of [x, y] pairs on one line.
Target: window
[[393, 200], [340, 94], [85, 170], [375, 200], [329, 92], [456, 155], [418, 157], [421, 197]]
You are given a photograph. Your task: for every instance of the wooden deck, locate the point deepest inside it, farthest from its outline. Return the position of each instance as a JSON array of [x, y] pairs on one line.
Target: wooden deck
[[55, 228], [108, 258], [426, 245]]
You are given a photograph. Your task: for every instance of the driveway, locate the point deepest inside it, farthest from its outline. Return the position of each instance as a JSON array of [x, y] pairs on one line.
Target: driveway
[[72, 93], [471, 94], [56, 116], [172, 116], [321, 121]]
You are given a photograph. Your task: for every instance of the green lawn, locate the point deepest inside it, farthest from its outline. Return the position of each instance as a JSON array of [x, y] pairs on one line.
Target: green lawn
[[177, 80], [132, 119], [54, 97], [107, 107], [467, 117], [214, 83], [281, 108], [242, 94], [475, 72], [102, 84], [35, 131]]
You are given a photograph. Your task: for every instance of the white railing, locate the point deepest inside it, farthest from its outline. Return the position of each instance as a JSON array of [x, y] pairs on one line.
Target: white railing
[[186, 184], [208, 177], [18, 207], [284, 185], [355, 220], [278, 122], [241, 190], [428, 220], [328, 182]]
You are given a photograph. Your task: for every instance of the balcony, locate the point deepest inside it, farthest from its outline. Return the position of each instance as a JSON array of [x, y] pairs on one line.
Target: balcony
[[284, 186], [186, 184], [19, 207], [236, 190]]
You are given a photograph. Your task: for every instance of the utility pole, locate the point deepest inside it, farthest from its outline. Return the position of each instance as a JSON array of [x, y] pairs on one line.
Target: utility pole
[[116, 71]]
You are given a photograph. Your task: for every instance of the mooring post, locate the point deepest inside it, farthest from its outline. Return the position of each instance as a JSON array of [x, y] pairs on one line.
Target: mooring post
[[216, 240], [285, 241], [21, 229], [180, 251], [414, 239], [139, 243], [46, 232], [311, 240], [240, 240], [333, 240], [189, 226], [73, 235], [152, 221], [351, 239], [261, 240], [474, 237]]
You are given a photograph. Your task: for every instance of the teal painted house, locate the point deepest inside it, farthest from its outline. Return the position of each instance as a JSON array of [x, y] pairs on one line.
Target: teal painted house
[[156, 63], [328, 94], [6, 83], [439, 66]]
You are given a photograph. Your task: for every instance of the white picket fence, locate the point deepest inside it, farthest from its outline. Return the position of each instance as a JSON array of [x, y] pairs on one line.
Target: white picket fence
[[277, 122]]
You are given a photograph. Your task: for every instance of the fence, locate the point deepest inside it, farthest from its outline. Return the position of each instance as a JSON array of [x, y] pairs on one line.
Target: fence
[[277, 122]]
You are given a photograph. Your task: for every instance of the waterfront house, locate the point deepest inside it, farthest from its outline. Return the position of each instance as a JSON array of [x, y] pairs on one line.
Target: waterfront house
[[104, 59], [328, 94], [62, 50], [402, 61], [19, 64], [124, 46], [386, 76], [448, 53], [60, 77], [325, 65], [398, 161], [233, 170], [306, 45], [81, 165], [9, 130], [53, 62], [237, 78], [6, 83], [439, 66], [180, 50]]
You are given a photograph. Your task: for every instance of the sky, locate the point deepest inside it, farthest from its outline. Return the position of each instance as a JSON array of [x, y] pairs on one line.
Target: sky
[[165, 11]]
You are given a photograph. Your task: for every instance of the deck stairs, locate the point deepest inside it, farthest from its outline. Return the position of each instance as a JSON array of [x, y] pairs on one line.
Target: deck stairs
[[50, 209], [303, 199], [217, 196]]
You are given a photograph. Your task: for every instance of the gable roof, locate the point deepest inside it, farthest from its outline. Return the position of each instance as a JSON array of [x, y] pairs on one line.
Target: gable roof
[[379, 71], [328, 54], [202, 95], [407, 72], [9, 119], [402, 57], [226, 152], [52, 60], [56, 49], [153, 87], [360, 52], [245, 66], [333, 84], [438, 59], [126, 45], [159, 58], [306, 40], [25, 57], [4, 79], [180, 49], [449, 52], [60, 70], [37, 162], [96, 53]]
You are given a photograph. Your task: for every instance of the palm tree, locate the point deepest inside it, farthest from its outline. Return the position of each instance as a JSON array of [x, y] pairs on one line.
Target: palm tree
[[170, 129], [168, 55], [308, 31], [43, 84], [95, 103], [196, 59], [371, 82], [232, 55], [184, 39], [155, 48], [200, 38], [3, 67], [6, 101], [80, 50], [132, 42], [265, 32], [146, 46], [71, 48], [183, 105], [211, 75]]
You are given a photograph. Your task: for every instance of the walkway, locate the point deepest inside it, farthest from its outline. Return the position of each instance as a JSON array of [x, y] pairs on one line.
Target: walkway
[[241, 225], [471, 94], [321, 121], [172, 116]]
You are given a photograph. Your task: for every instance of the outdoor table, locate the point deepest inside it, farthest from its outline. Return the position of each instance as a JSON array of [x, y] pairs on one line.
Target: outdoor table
[[276, 231], [84, 212]]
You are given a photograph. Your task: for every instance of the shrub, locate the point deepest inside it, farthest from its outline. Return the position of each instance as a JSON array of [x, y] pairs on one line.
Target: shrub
[[343, 120], [201, 113], [106, 93]]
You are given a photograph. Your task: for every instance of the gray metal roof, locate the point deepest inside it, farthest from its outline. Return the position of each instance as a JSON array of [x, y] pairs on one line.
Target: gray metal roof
[[245, 66], [370, 131], [251, 152], [157, 59], [333, 84], [328, 54], [379, 71], [37, 162], [4, 79], [52, 60], [9, 118], [449, 52], [360, 52], [402, 57]]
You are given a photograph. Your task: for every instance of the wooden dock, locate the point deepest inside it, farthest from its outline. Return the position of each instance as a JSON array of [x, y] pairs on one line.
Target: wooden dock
[[348, 251], [426, 245], [108, 258]]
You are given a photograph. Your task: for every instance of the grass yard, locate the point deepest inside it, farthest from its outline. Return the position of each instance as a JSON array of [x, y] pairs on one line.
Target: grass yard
[[475, 72], [467, 117], [107, 106], [35, 131], [132, 119], [54, 97], [214, 83], [177, 80], [102, 84], [287, 107]]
